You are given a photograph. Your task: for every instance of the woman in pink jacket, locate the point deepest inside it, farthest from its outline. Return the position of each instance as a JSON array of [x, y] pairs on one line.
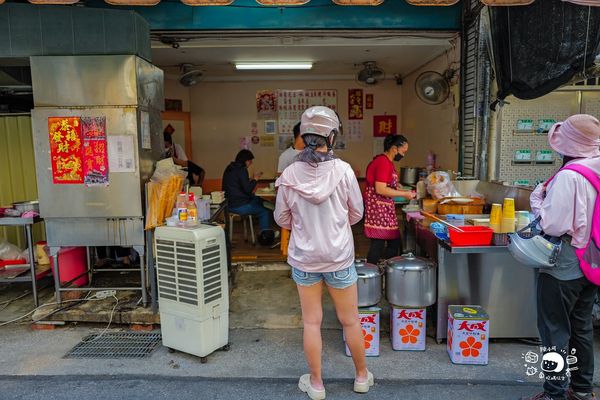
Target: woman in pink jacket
[[318, 200], [565, 298]]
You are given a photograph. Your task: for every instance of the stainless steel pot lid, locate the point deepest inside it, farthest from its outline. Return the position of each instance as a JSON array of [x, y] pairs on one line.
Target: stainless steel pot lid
[[366, 270], [361, 262], [409, 262]]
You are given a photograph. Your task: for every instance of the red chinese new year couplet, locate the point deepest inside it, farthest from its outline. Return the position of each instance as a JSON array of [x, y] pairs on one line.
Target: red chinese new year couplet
[[369, 101], [266, 103], [384, 125], [355, 104], [95, 157], [66, 150]]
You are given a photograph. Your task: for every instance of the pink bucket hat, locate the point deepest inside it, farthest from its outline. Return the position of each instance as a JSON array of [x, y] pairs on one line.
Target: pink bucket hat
[[577, 136]]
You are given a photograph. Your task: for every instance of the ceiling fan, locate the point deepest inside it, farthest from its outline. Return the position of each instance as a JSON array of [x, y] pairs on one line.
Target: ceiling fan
[[190, 75], [370, 74]]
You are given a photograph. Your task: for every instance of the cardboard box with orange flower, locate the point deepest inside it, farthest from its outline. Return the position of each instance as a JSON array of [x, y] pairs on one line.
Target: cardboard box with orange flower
[[407, 328], [468, 335], [369, 321]]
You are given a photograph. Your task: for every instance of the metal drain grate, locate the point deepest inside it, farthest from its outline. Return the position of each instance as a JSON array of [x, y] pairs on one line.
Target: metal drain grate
[[116, 345]]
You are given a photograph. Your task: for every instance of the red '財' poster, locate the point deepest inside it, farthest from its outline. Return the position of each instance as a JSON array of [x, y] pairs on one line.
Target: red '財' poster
[[384, 125], [66, 151]]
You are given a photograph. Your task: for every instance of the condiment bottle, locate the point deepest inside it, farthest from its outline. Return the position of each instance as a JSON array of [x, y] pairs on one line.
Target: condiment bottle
[[182, 212], [192, 210]]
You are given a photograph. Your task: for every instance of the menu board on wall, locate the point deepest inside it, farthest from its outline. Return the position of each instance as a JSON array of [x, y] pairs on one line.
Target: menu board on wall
[[292, 103]]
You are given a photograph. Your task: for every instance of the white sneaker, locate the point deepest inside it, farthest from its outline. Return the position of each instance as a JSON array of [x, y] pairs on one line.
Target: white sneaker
[[306, 387], [363, 387]]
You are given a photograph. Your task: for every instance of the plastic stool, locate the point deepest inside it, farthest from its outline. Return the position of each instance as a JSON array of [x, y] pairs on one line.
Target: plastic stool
[[245, 219]]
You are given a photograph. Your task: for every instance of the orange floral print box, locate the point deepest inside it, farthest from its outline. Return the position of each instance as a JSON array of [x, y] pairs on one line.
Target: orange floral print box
[[407, 328], [468, 335], [369, 321]]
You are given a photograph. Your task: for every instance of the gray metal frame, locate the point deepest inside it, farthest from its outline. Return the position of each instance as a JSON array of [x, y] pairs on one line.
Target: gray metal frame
[[59, 288], [26, 223]]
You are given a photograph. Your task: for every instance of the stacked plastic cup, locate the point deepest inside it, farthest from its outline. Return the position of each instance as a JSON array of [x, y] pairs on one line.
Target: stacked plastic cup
[[496, 218], [508, 216], [499, 238]]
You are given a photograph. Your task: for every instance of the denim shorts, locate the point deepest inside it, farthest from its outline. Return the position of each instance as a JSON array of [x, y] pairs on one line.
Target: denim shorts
[[338, 280]]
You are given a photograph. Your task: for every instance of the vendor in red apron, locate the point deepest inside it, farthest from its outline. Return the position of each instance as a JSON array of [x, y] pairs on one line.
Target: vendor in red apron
[[381, 223]]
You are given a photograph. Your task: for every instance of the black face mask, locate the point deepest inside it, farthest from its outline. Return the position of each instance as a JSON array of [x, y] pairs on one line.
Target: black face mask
[[398, 157]]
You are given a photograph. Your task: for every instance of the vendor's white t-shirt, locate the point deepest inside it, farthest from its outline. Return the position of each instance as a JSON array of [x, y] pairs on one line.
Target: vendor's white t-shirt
[[180, 152], [286, 159]]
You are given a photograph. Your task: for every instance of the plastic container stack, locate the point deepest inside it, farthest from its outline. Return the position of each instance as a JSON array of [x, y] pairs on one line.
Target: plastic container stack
[[508, 216]]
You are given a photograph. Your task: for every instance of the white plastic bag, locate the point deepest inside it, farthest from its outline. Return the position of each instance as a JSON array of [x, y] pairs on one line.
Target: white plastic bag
[[9, 251], [440, 186]]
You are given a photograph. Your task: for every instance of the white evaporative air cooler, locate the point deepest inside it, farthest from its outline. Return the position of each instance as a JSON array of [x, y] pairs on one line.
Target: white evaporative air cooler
[[192, 288]]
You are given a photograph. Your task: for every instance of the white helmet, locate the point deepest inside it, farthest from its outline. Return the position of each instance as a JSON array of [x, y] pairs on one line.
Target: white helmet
[[535, 251], [319, 120]]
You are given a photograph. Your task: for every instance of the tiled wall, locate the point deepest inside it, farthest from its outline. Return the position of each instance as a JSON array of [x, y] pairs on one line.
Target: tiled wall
[[558, 105], [591, 103]]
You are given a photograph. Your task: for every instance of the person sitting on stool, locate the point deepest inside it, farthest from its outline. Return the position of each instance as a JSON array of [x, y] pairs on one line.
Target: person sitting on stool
[[239, 191]]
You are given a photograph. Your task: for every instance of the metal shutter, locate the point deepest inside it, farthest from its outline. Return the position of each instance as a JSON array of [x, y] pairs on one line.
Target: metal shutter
[[472, 101]]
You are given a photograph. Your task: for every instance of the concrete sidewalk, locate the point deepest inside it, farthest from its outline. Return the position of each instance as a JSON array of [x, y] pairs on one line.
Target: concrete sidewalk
[[266, 343], [257, 353]]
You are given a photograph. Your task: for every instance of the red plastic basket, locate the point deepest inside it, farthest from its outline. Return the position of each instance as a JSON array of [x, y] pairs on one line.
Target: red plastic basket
[[4, 263], [471, 236]]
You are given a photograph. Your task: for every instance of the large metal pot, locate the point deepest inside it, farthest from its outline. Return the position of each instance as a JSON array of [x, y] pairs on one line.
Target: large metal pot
[[369, 283], [24, 206], [410, 281], [409, 175]]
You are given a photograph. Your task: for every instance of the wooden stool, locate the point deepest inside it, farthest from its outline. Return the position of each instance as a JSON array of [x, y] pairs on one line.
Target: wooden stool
[[245, 219]]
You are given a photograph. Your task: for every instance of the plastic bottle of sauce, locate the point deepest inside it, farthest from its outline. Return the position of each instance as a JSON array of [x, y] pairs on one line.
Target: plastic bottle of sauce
[[192, 211], [182, 211]]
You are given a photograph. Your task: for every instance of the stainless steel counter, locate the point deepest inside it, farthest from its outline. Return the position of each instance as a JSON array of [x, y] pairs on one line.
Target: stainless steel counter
[[482, 275], [490, 277]]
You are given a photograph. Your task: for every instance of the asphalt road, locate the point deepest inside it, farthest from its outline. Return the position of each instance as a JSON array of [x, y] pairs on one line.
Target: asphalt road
[[158, 388]]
